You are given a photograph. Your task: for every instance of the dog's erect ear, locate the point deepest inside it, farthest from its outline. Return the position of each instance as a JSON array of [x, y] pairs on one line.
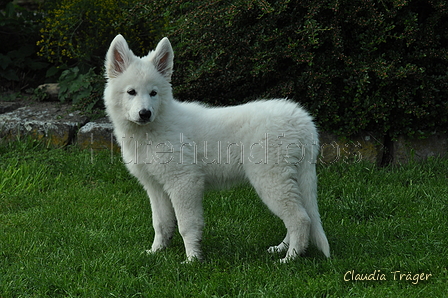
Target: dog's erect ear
[[163, 58], [118, 57]]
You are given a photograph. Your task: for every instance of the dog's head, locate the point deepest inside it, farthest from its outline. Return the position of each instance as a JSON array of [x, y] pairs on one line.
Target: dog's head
[[136, 87]]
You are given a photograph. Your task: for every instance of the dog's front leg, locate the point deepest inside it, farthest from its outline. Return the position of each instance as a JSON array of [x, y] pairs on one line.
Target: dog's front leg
[[163, 217], [186, 198]]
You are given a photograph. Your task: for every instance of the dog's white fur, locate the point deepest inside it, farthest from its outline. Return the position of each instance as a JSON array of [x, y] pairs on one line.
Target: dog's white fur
[[177, 150]]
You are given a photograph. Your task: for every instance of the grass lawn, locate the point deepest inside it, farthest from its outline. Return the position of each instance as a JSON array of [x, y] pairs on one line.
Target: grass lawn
[[77, 225]]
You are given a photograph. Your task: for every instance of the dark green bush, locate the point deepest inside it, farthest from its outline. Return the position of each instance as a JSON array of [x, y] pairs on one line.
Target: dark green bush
[[78, 32], [19, 65], [357, 65]]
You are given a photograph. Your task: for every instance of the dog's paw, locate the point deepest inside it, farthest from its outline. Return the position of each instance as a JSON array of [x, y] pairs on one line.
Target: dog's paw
[[285, 260], [273, 249], [192, 260], [278, 248], [149, 251], [290, 256], [154, 250]]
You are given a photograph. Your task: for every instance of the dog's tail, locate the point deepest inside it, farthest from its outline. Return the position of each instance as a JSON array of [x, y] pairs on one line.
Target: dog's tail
[[308, 186]]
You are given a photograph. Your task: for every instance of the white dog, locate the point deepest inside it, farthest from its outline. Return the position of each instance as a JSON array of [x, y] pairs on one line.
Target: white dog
[[177, 150]]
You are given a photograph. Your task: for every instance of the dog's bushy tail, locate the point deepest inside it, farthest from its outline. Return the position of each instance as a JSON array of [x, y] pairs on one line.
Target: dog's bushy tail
[[318, 236], [308, 186]]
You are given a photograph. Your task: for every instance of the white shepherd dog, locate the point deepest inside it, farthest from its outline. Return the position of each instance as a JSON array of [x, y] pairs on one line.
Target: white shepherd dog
[[177, 150]]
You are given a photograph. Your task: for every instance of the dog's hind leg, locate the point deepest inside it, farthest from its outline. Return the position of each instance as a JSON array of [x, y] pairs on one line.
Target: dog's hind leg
[[298, 224], [163, 217], [282, 196]]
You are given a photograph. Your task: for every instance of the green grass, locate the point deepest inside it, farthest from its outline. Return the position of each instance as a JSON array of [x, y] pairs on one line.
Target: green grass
[[71, 226]]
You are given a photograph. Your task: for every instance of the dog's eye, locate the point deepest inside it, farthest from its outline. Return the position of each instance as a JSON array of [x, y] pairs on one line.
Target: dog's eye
[[132, 92], [153, 93]]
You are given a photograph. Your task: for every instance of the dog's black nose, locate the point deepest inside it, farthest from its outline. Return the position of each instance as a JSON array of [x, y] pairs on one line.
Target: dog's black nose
[[145, 114]]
